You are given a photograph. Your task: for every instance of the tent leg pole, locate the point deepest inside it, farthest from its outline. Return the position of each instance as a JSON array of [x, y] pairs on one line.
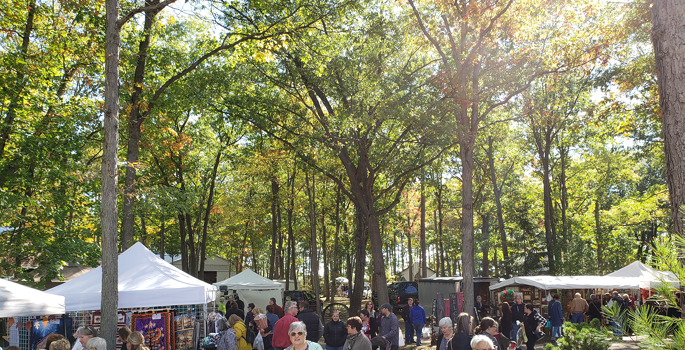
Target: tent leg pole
[[205, 319]]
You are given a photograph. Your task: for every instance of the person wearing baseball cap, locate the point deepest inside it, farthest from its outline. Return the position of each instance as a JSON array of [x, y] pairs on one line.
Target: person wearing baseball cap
[[390, 327]]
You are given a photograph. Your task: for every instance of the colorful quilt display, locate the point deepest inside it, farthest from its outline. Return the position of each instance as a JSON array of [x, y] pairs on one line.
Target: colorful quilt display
[[157, 329], [41, 328], [185, 325]]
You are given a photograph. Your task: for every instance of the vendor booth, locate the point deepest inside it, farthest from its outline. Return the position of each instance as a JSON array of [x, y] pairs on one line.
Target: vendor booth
[[21, 307], [253, 288], [166, 304], [646, 276], [19, 300]]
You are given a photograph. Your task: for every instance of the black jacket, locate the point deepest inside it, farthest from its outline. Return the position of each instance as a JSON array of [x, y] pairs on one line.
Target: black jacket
[[312, 321], [517, 312], [460, 341], [335, 333]]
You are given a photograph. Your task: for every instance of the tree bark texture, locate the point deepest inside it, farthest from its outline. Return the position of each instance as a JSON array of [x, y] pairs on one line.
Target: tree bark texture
[[109, 214], [668, 38], [134, 131], [424, 262], [273, 270], [497, 192]]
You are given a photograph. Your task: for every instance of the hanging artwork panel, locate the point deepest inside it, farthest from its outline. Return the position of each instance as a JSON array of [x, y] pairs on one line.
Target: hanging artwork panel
[[157, 329]]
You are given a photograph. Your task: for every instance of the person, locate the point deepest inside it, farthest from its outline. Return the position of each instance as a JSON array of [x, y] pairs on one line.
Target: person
[[481, 342], [617, 320], [517, 315], [53, 337], [240, 332], [264, 326], [233, 310], [123, 333], [371, 309], [355, 339], [335, 332], [241, 304], [532, 323], [579, 307], [556, 316], [59, 344], [488, 328], [281, 339], [249, 316], [84, 334], [311, 320], [628, 320], [271, 315], [462, 336], [97, 343], [506, 320], [595, 308], [389, 328], [298, 338], [480, 307], [227, 338], [408, 327], [277, 309], [221, 307], [136, 341], [446, 334], [369, 327], [417, 315]]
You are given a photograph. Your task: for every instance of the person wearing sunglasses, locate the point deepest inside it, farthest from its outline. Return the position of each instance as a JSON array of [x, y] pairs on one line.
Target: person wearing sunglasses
[[488, 328], [84, 334], [298, 338]]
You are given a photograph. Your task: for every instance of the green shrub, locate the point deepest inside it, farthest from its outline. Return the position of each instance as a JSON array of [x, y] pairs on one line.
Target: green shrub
[[582, 337]]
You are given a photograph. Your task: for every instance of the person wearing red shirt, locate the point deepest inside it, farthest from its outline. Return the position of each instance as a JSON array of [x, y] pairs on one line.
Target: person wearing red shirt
[[281, 338]]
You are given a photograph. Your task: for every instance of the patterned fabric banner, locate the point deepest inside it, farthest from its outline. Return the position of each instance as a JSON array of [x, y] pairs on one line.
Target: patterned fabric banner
[[157, 329]]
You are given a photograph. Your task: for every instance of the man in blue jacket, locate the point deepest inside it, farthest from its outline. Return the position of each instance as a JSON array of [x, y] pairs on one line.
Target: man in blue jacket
[[417, 315]]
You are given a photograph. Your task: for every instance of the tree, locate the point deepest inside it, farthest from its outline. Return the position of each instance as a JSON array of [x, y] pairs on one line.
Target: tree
[[669, 41]]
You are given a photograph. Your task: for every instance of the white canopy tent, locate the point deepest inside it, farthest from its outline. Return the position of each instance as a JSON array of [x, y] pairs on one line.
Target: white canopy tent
[[253, 288], [145, 280], [647, 276], [19, 300], [571, 282]]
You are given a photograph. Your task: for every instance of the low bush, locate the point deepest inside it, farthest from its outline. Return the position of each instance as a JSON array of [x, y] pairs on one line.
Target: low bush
[[582, 337]]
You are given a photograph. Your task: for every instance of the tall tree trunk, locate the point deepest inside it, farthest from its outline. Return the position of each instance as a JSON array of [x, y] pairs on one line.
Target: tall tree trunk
[[274, 229], [109, 214], [424, 262], [279, 253], [438, 196], [668, 38], [467, 245], [486, 245], [324, 251], [184, 246], [599, 237], [357, 288], [134, 131], [563, 156], [336, 255], [205, 223], [409, 248], [497, 192], [162, 232]]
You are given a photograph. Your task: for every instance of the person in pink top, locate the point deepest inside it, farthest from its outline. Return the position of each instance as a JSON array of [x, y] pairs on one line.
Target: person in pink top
[[281, 338]]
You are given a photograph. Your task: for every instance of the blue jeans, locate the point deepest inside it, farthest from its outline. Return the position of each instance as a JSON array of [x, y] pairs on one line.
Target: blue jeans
[[514, 332], [408, 333], [417, 329], [615, 328], [578, 317], [556, 332], [333, 347]]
